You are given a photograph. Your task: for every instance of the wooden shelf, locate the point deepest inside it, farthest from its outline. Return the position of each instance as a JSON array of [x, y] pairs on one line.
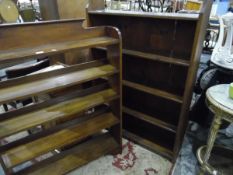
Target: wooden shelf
[[148, 144], [55, 112], [178, 16], [155, 57], [27, 87], [153, 91], [50, 49], [150, 119], [84, 98], [57, 140], [76, 157], [160, 59]]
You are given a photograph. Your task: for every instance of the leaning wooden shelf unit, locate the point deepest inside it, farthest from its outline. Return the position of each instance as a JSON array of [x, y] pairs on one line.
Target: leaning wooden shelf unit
[[161, 52], [80, 116]]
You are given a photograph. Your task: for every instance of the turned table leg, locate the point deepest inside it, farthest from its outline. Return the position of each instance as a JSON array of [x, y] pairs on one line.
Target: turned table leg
[[211, 139]]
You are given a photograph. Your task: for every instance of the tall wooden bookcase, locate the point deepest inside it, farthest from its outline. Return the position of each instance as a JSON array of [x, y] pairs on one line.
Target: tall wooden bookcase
[[161, 53], [87, 111]]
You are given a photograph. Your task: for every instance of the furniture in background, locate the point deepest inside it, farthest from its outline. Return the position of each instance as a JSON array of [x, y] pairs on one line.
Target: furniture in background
[[62, 9], [222, 54], [219, 102], [80, 114], [8, 11], [161, 53]]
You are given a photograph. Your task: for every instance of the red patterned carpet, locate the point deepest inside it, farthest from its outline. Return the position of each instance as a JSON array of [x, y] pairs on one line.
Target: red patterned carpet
[[134, 160]]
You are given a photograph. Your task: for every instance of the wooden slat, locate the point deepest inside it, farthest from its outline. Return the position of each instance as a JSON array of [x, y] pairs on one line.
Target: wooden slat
[[40, 105], [180, 62], [76, 157], [45, 85], [54, 112], [154, 57], [157, 15], [60, 139], [148, 144], [153, 91], [150, 119], [50, 49], [59, 126]]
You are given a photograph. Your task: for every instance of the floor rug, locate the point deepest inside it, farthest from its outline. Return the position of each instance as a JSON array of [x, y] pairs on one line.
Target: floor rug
[[134, 160]]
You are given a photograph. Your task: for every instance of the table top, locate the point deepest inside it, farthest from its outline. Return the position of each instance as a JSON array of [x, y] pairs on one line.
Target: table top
[[219, 97]]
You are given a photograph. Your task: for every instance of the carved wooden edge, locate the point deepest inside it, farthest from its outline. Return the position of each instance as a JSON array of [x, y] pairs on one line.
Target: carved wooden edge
[[195, 57], [114, 56]]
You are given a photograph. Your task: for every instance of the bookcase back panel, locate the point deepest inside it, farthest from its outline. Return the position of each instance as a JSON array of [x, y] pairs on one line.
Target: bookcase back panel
[[149, 131], [46, 33], [156, 107], [164, 76], [158, 36]]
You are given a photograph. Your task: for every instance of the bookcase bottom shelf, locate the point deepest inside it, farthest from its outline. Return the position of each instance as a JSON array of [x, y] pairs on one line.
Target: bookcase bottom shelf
[[148, 144], [75, 157], [152, 137]]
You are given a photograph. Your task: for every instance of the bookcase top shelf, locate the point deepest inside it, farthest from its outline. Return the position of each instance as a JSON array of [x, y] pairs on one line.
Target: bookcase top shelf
[[178, 16]]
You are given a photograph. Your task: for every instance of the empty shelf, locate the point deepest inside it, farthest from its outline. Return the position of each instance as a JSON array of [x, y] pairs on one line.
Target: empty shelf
[[78, 156], [55, 48], [159, 15], [54, 112], [155, 57], [148, 144], [26, 88], [150, 119], [153, 91], [57, 140]]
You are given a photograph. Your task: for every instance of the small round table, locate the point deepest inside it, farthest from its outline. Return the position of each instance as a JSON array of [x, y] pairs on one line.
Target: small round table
[[218, 101]]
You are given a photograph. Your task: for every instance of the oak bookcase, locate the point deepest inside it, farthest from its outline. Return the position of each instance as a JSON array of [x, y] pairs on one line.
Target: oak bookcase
[[161, 53], [90, 100]]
